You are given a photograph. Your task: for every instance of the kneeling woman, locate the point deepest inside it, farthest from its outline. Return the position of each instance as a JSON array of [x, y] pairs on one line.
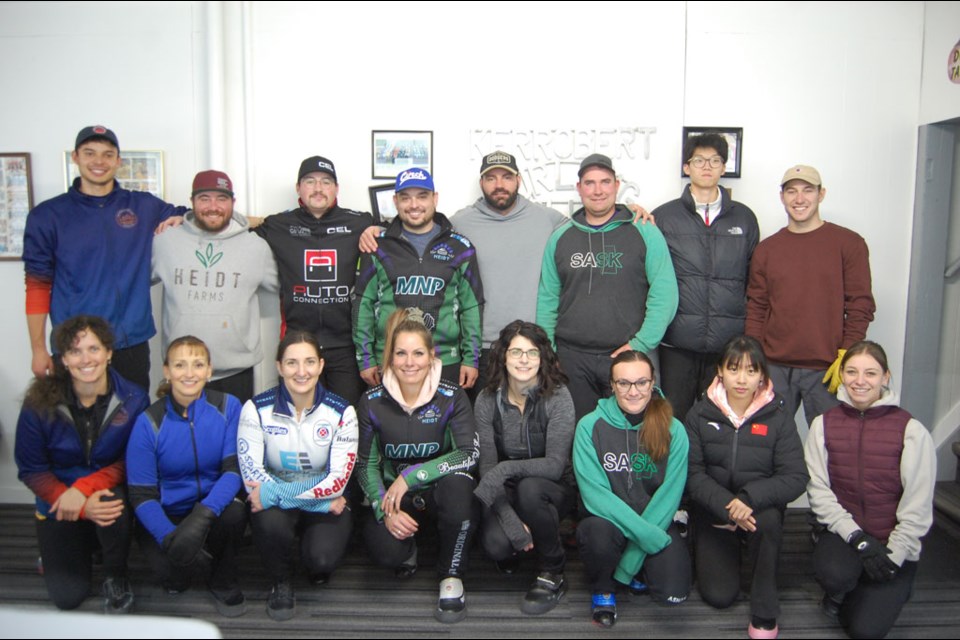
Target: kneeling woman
[[872, 474], [298, 446], [630, 457], [525, 422], [746, 465], [417, 449], [71, 438], [184, 480]]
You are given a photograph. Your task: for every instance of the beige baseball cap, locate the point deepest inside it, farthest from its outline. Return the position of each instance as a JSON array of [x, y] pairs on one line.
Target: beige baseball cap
[[802, 172]]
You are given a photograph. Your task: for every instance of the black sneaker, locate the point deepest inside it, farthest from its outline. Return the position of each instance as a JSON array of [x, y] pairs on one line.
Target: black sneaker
[[230, 602], [452, 604], [545, 593], [319, 579], [117, 595], [831, 607], [281, 602], [409, 566], [604, 608], [508, 566]]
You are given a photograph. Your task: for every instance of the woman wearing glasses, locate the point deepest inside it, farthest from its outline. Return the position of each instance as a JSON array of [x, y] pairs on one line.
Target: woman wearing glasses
[[746, 465], [630, 458], [525, 423]]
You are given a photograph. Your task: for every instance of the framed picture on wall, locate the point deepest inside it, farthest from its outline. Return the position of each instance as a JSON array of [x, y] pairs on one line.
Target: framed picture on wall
[[139, 171], [734, 138], [381, 202], [16, 200], [396, 151]]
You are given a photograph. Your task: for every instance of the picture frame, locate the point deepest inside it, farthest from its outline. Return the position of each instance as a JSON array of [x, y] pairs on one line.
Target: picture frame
[[394, 151], [139, 171], [734, 137], [16, 201], [381, 203]]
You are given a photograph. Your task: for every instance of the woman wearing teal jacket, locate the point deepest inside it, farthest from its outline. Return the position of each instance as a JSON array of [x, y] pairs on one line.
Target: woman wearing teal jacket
[[631, 485]]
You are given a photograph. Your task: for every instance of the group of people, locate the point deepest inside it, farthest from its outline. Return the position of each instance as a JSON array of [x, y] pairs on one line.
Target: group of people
[[372, 413]]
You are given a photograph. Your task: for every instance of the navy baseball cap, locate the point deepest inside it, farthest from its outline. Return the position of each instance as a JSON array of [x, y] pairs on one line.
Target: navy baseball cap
[[414, 179], [96, 131]]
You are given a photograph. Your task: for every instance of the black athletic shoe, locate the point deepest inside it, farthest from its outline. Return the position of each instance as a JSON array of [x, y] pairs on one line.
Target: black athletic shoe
[[409, 566], [229, 603], [319, 579], [508, 566], [545, 594], [830, 607], [117, 595], [281, 603]]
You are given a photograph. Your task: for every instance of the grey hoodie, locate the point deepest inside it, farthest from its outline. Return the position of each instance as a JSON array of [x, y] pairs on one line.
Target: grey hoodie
[[210, 283], [510, 251]]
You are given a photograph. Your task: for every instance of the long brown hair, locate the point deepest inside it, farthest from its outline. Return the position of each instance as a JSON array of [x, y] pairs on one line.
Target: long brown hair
[[408, 320], [654, 437], [45, 394], [196, 344], [549, 376]]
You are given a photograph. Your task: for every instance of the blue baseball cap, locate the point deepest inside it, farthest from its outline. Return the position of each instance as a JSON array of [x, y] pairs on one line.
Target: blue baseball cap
[[414, 179]]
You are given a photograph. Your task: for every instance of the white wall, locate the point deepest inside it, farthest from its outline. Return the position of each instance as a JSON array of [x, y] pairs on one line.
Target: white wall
[[257, 87], [940, 98]]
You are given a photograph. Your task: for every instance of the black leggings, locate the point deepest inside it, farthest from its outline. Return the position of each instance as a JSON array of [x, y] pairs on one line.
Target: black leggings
[[450, 501], [666, 574], [718, 561], [323, 540], [66, 547], [869, 608], [223, 543], [540, 504]]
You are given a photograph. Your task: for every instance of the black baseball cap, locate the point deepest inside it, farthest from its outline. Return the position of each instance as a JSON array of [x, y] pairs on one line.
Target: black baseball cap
[[596, 160], [317, 163], [96, 131], [499, 160]]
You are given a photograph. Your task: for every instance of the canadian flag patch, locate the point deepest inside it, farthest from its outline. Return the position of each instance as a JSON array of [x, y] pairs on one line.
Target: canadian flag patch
[[758, 429]]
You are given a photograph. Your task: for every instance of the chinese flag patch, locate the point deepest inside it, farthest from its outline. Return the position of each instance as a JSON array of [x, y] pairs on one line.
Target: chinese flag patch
[[758, 429]]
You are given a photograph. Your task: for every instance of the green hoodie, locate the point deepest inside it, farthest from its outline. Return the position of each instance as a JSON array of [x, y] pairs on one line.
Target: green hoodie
[[618, 492]]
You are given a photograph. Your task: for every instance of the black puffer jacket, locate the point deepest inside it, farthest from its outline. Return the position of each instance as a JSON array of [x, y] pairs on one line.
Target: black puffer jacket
[[712, 264], [761, 462]]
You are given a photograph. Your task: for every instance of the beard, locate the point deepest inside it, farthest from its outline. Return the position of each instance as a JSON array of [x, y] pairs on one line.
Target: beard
[[503, 205]]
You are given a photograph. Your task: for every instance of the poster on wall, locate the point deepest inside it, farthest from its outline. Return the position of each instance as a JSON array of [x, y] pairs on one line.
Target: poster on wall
[[396, 151], [381, 201], [139, 171], [16, 200]]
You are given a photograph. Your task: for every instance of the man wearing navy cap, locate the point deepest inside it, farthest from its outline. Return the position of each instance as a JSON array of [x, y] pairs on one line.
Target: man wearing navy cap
[[607, 285], [88, 252], [315, 246], [212, 270], [421, 262]]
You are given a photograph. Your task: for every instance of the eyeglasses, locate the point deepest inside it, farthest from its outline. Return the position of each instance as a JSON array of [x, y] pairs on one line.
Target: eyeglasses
[[312, 182], [699, 161], [516, 354], [624, 386]]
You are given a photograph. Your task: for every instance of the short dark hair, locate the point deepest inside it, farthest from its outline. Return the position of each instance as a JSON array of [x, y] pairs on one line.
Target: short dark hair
[[740, 347], [713, 141], [296, 337], [549, 376]]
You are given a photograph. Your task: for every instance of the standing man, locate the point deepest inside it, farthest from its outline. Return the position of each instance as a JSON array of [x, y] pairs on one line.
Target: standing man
[[315, 246], [88, 252], [211, 269], [711, 238], [421, 262], [606, 285], [809, 295], [511, 233]]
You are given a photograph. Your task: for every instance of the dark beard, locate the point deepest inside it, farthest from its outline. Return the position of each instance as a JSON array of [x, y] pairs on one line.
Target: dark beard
[[506, 205]]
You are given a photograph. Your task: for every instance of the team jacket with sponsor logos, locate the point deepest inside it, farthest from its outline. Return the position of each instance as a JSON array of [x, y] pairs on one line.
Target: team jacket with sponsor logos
[[300, 464], [173, 461], [317, 261], [436, 439], [51, 455], [621, 483], [95, 250], [602, 287], [444, 283]]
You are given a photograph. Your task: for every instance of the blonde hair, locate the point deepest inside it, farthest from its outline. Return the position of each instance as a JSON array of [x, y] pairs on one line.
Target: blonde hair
[[409, 320]]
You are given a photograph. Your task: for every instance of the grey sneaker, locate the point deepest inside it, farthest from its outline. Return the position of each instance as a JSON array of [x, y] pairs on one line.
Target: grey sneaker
[[452, 604], [117, 595]]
